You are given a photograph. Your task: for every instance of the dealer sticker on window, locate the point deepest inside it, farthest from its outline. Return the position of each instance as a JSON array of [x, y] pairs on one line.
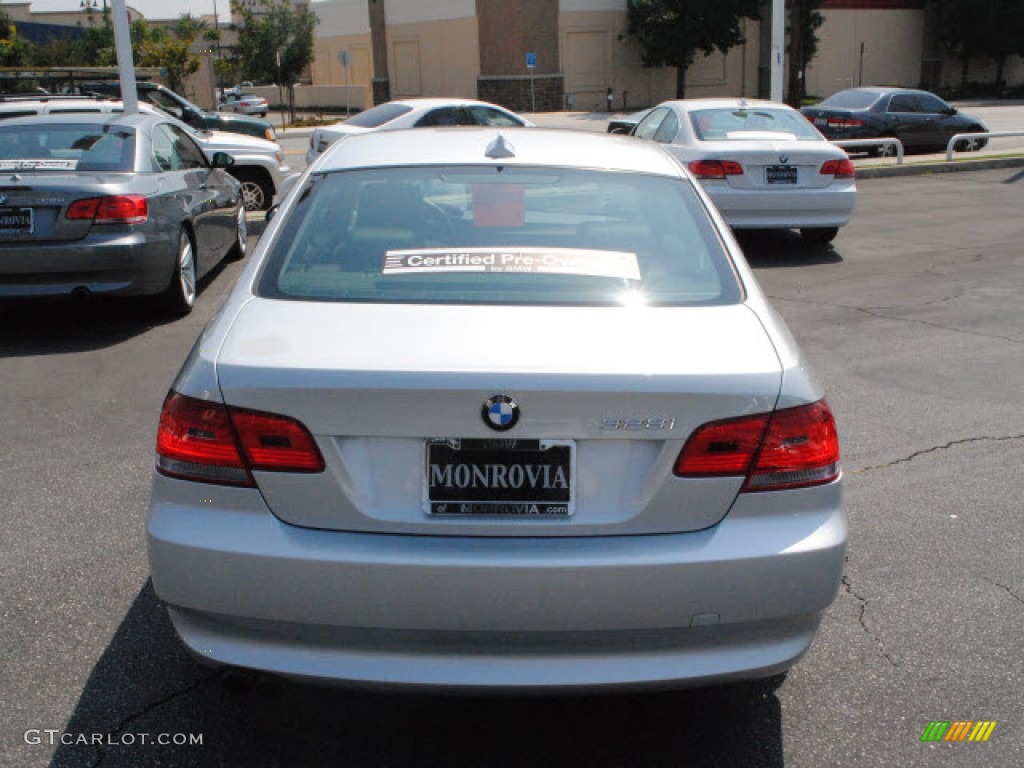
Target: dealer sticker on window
[[41, 164], [557, 261]]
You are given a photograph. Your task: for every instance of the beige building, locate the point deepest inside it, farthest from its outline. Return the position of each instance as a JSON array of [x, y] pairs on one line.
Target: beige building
[[479, 48]]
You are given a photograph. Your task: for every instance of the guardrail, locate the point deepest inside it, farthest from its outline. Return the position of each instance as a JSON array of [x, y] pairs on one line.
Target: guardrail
[[991, 135], [873, 143]]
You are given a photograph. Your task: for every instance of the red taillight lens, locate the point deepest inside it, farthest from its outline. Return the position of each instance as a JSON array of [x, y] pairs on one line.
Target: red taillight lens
[[715, 169], [791, 448], [115, 209], [195, 441], [800, 449], [841, 169], [83, 209], [844, 122], [276, 443], [215, 443], [722, 448]]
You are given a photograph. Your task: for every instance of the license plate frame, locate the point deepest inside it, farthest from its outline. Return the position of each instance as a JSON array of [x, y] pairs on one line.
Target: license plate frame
[[781, 174], [24, 214], [531, 489]]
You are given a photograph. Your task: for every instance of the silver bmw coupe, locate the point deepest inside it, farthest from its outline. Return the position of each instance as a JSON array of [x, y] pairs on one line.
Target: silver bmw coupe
[[497, 409]]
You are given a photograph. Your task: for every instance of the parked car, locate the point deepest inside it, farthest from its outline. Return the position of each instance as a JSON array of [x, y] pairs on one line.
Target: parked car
[[762, 164], [626, 123], [920, 120], [485, 413], [108, 203], [257, 163], [245, 103], [412, 113], [189, 113]]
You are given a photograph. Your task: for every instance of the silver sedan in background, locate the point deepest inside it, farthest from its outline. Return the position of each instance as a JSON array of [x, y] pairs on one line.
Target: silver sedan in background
[[763, 164], [107, 203], [480, 414]]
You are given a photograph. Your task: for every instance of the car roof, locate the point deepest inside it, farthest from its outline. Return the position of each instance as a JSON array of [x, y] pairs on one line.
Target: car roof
[[429, 103], [723, 103], [529, 147], [101, 118]]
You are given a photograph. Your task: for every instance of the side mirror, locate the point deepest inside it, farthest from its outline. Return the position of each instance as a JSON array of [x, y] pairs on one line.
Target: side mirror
[[271, 211], [222, 160], [953, 110], [192, 117]]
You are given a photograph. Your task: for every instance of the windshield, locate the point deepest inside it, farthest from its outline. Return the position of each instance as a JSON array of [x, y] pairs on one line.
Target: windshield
[[66, 147], [851, 100], [493, 235], [376, 117], [738, 124]]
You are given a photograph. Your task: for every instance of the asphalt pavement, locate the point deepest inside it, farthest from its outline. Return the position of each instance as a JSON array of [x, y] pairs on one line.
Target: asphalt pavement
[[913, 320]]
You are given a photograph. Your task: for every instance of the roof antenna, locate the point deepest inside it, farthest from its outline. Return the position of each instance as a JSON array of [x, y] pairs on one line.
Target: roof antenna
[[500, 148]]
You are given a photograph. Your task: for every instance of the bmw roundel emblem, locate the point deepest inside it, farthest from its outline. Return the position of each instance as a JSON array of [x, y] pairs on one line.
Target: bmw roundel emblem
[[500, 412]]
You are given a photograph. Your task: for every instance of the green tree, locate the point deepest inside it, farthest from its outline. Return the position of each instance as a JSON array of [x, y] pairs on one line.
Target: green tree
[[157, 48], [275, 44], [804, 21], [981, 28], [671, 32], [15, 51]]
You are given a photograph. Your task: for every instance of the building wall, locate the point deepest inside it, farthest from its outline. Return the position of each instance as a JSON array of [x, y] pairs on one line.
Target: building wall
[[344, 26], [433, 58], [597, 53], [893, 48]]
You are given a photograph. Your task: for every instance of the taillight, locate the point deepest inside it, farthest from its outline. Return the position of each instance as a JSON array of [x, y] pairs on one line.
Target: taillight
[[790, 448], [844, 122], [274, 443], [216, 443], [715, 169], [115, 209], [841, 169]]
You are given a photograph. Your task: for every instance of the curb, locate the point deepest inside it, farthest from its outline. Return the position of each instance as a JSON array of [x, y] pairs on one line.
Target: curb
[[924, 169]]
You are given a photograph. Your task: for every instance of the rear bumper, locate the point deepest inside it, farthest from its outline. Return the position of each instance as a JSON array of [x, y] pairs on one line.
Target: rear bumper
[[131, 264], [740, 600], [783, 209]]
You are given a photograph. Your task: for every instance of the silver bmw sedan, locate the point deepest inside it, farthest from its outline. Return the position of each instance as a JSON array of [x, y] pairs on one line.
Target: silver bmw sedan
[[497, 409]]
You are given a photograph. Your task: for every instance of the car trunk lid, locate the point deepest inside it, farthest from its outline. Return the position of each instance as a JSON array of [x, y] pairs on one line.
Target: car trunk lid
[[615, 392]]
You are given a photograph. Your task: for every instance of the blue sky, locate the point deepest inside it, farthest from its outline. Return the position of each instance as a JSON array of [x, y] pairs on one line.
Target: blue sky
[[151, 9]]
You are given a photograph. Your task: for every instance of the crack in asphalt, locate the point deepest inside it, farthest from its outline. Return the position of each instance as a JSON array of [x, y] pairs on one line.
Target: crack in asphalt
[[864, 625], [935, 448], [1009, 591], [146, 710], [867, 311]]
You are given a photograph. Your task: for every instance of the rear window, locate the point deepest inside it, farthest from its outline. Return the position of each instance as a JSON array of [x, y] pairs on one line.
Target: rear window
[[851, 100], [737, 124], [376, 117], [487, 235], [67, 147]]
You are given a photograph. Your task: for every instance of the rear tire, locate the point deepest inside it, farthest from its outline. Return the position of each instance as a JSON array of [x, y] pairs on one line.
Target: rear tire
[[884, 150], [819, 235], [180, 295]]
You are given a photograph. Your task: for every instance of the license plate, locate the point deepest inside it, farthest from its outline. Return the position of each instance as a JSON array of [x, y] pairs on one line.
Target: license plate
[[781, 174], [500, 478], [15, 221]]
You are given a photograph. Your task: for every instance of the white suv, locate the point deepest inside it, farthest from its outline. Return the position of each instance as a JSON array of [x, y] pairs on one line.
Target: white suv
[[259, 164]]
